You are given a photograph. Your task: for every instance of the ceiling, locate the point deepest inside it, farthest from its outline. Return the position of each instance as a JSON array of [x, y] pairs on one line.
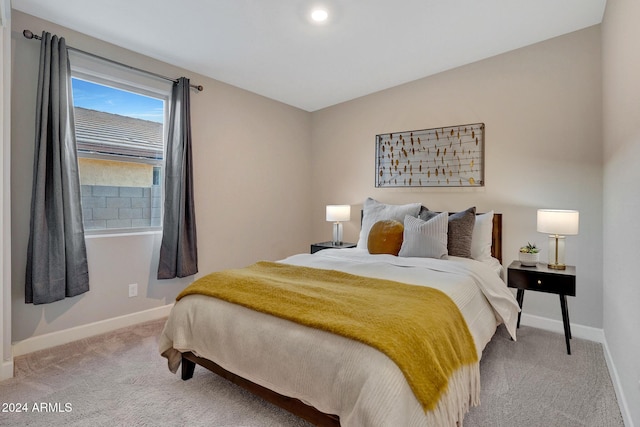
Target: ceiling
[[272, 48]]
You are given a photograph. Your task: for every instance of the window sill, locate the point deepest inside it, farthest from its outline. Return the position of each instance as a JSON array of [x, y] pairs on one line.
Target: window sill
[[93, 234]]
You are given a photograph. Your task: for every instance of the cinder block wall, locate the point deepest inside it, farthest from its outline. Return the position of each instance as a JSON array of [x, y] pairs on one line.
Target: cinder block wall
[[111, 207]]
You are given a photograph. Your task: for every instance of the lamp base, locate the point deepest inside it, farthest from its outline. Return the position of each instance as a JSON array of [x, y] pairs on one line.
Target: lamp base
[[556, 252], [337, 233]]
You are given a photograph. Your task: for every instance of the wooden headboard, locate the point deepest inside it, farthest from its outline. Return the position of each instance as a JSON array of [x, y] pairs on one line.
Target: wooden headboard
[[496, 235]]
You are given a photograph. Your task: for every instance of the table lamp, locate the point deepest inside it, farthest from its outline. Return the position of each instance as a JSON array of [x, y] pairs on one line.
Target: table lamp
[[337, 213], [557, 223]]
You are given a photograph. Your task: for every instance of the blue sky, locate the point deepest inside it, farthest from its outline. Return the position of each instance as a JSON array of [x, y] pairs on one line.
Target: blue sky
[[104, 98]]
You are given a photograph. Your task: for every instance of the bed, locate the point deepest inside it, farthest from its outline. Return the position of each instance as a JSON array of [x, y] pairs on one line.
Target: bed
[[329, 379]]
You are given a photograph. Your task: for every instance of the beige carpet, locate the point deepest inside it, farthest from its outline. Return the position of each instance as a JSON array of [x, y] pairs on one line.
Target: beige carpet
[[118, 379], [534, 382]]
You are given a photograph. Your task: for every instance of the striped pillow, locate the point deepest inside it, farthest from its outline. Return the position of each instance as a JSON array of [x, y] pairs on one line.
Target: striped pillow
[[460, 232], [425, 239]]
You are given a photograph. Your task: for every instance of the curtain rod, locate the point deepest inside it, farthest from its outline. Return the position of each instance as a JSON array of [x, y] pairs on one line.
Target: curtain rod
[[28, 34]]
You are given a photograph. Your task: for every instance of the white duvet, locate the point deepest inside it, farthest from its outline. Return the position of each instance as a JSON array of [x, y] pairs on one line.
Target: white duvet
[[334, 374]]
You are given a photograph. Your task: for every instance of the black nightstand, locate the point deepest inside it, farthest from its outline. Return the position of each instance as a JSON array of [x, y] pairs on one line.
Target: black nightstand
[[315, 247], [544, 279]]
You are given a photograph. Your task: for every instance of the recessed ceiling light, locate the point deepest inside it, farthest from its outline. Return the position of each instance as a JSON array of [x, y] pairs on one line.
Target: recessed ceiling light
[[319, 15]]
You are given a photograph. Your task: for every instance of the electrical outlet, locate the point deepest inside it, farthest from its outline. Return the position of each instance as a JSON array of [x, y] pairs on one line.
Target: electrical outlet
[[133, 290]]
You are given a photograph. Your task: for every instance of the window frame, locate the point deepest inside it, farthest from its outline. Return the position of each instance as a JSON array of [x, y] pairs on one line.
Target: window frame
[[102, 72]]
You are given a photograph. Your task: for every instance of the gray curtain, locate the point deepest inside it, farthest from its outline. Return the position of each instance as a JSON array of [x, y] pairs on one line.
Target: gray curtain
[[57, 257], [178, 252]]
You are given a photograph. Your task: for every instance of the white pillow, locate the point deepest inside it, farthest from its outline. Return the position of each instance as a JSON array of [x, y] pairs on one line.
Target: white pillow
[[481, 237], [374, 211], [425, 239]]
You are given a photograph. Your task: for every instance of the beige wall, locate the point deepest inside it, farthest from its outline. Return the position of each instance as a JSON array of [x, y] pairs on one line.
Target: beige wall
[[251, 172], [114, 173], [542, 109], [621, 124]]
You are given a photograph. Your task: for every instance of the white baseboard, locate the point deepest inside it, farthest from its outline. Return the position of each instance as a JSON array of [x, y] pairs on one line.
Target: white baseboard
[[578, 331], [6, 369], [615, 379], [591, 334], [42, 342]]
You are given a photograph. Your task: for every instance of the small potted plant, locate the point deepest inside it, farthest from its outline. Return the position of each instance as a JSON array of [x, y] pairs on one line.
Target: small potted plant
[[529, 255]]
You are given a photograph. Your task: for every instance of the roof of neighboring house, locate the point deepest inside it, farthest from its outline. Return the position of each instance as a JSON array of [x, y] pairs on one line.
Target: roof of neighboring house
[[106, 133]]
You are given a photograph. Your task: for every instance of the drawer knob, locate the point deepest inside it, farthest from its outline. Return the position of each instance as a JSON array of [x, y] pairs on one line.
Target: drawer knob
[[539, 282]]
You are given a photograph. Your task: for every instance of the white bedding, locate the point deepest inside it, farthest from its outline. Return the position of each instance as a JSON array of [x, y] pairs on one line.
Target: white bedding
[[336, 375]]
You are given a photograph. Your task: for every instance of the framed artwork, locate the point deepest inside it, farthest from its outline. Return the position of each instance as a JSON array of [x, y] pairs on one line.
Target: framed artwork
[[451, 156]]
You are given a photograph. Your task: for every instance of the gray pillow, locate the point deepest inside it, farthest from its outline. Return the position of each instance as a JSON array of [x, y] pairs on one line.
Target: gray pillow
[[460, 233], [425, 239]]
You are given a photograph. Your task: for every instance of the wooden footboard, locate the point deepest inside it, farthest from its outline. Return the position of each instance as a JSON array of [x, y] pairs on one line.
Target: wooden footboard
[[294, 406]]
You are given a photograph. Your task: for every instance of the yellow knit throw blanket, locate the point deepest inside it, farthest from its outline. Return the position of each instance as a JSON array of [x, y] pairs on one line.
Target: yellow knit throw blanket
[[419, 328]]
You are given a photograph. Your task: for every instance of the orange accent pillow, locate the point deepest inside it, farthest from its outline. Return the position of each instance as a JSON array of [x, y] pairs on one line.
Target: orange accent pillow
[[385, 237]]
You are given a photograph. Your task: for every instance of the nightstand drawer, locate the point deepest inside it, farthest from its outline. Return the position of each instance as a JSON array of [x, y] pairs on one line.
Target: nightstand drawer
[[542, 282]]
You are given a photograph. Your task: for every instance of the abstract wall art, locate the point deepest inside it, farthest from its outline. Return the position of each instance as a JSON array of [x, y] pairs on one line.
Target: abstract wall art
[[451, 156]]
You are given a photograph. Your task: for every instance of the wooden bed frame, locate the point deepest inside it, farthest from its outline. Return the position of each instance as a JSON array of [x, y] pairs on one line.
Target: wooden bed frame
[[295, 406], [292, 405]]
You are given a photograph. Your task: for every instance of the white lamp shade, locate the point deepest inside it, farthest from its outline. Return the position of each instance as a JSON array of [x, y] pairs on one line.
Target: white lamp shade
[[338, 213], [558, 221]]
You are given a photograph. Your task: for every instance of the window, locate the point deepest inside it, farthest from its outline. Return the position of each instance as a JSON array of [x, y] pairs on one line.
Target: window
[[120, 141]]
